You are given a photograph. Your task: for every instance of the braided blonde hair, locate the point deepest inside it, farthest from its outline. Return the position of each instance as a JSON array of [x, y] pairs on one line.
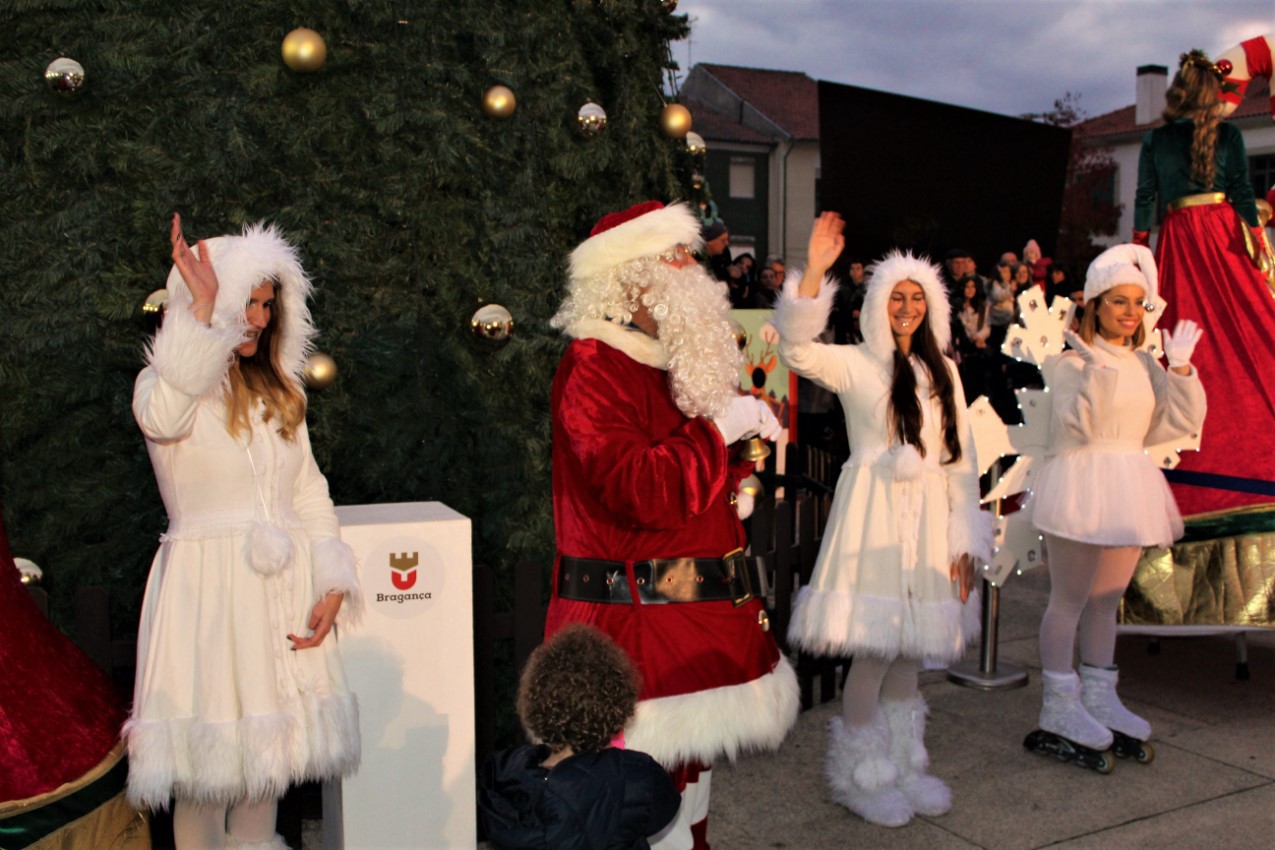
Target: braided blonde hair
[[1195, 95]]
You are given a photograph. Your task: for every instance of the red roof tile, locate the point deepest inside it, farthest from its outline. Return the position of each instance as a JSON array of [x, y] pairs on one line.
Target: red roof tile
[[714, 126], [789, 98]]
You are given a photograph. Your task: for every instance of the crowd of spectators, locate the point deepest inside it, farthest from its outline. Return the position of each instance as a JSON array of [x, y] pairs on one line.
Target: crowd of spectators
[[983, 309]]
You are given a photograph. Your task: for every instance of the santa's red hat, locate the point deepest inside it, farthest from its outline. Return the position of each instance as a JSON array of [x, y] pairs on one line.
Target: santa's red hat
[[643, 230]]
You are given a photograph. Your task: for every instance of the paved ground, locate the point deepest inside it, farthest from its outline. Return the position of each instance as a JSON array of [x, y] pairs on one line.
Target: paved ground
[[1212, 784]]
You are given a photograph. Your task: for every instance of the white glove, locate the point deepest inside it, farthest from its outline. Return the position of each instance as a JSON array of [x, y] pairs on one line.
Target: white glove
[[770, 427], [745, 416], [1181, 345], [1082, 348]]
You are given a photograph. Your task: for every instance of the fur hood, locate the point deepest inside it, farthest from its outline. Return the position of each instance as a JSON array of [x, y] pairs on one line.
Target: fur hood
[[242, 263], [882, 276]]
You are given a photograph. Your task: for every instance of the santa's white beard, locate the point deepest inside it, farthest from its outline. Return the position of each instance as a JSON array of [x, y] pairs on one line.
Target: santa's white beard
[[692, 311]]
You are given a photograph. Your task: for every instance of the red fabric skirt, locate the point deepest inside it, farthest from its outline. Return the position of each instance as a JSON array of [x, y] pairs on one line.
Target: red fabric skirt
[[59, 713], [1206, 275]]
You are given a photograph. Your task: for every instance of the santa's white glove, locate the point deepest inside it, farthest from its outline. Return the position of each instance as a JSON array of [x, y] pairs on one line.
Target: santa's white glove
[[1179, 346], [1082, 348], [745, 416]]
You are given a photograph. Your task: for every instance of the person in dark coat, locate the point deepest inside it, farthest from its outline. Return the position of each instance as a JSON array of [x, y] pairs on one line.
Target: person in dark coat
[[574, 789]]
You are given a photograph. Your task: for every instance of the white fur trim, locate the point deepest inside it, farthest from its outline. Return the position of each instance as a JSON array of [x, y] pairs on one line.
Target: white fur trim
[[645, 236], [798, 319], [744, 504], [646, 350], [908, 463], [254, 757], [971, 532], [874, 321], [336, 571], [276, 843], [242, 262], [705, 725], [1120, 264], [837, 624], [857, 756], [189, 355], [268, 549], [906, 718]]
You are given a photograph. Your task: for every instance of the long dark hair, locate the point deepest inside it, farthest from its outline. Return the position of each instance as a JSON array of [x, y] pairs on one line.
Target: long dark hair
[[905, 408]]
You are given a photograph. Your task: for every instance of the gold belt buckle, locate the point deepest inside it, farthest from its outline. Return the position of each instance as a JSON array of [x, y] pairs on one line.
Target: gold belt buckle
[[737, 574]]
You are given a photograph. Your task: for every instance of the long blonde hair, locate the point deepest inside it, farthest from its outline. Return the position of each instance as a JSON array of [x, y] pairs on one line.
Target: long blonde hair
[[262, 377], [1196, 95]]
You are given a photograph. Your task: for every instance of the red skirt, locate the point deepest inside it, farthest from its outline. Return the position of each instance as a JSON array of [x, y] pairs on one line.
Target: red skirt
[[1206, 275]]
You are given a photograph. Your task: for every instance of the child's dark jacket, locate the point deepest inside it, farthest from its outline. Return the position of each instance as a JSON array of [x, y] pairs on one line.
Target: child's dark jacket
[[610, 800]]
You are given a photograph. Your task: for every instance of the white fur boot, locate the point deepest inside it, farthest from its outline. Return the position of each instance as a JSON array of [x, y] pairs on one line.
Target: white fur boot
[[928, 794], [861, 774], [276, 843], [1098, 694], [1065, 716]]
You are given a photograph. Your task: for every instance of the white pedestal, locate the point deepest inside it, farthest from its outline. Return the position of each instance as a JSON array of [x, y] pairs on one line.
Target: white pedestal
[[411, 662]]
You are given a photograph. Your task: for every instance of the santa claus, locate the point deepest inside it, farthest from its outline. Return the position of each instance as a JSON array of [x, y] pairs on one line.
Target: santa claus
[[647, 425]]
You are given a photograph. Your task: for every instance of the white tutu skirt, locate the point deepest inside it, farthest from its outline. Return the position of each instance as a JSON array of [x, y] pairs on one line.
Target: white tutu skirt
[[1105, 498]]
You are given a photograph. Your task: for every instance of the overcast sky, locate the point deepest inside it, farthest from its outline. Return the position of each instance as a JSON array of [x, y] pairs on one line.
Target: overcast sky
[[1007, 56]]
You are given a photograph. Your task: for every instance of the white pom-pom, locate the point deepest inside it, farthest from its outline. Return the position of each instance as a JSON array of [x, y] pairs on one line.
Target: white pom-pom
[[744, 503], [269, 549], [908, 464]]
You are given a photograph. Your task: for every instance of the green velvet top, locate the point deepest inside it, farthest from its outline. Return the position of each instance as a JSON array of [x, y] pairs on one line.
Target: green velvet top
[[1164, 168]]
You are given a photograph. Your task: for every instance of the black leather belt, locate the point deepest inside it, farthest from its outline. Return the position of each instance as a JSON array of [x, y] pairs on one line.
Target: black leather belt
[[660, 581]]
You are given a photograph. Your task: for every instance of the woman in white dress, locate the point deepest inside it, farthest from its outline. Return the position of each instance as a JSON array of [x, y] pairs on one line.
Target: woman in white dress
[[240, 690], [897, 558], [1099, 498]]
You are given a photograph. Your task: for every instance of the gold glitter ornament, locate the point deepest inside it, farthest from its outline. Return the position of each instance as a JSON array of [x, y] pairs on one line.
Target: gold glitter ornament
[[304, 50], [499, 102], [675, 120], [320, 371]]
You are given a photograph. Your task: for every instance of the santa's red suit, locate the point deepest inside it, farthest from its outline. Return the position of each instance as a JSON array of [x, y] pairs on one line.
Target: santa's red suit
[[62, 765], [634, 478]]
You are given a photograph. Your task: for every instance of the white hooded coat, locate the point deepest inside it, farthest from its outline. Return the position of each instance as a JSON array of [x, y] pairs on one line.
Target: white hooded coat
[[223, 708], [882, 583]]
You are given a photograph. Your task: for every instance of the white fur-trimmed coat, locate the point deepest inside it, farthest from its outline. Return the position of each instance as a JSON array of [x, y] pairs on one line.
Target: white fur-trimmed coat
[[223, 707], [881, 584]]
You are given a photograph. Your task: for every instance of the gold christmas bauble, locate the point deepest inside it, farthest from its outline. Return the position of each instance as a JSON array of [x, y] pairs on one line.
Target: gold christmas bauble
[[499, 102], [675, 120], [492, 326], [303, 50], [156, 302], [320, 371], [695, 143], [65, 77], [739, 333], [592, 119]]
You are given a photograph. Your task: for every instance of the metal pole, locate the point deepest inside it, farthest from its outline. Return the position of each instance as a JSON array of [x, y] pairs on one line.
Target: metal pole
[[985, 675]]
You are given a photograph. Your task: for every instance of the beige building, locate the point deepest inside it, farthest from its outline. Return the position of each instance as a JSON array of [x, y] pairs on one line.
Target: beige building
[[762, 165]]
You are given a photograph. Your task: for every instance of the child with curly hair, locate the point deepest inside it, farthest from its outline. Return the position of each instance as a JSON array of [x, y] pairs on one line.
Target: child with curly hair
[[573, 789]]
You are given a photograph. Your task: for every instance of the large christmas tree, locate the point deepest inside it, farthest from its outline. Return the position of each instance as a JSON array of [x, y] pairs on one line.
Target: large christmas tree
[[411, 206]]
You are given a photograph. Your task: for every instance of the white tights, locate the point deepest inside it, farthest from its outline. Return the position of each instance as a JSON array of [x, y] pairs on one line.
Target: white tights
[[204, 827], [1086, 583], [871, 680]]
